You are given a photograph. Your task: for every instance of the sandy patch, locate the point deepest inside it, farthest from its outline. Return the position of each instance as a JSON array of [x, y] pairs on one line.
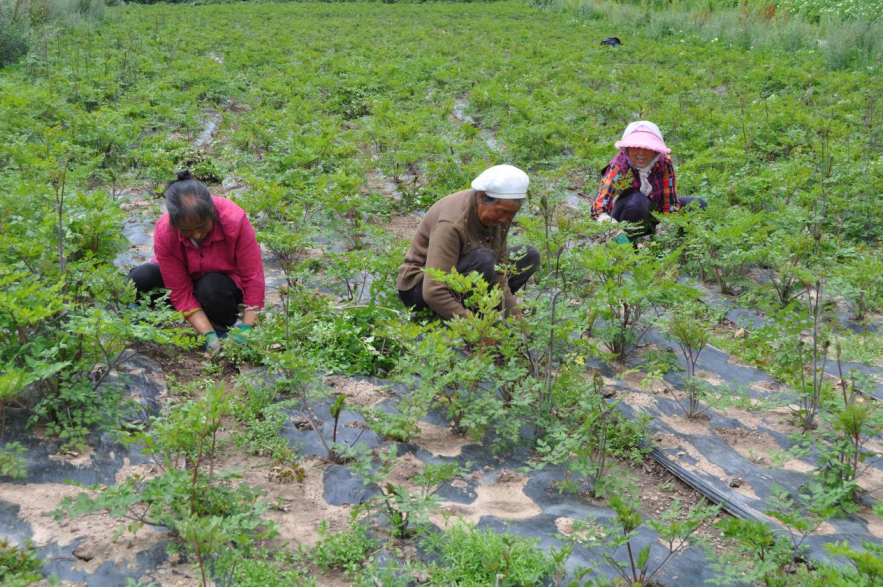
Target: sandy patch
[[769, 386], [128, 470], [634, 379], [589, 533], [687, 426], [776, 418], [172, 574], [875, 523], [642, 402], [504, 499], [871, 481], [733, 360], [302, 506], [403, 226], [687, 449], [824, 529], [440, 441], [709, 377], [358, 392], [36, 501], [406, 467], [77, 458], [755, 447]]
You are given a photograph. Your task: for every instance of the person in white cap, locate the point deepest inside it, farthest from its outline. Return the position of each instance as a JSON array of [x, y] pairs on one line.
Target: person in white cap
[[468, 231], [640, 179]]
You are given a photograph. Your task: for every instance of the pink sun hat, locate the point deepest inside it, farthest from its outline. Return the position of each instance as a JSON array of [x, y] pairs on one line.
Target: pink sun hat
[[643, 133]]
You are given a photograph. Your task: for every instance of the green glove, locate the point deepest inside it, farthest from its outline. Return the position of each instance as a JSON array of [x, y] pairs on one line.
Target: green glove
[[212, 343], [242, 329], [622, 239]]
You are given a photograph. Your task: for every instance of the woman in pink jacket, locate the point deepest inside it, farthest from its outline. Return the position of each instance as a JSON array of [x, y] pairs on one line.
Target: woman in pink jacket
[[208, 256]]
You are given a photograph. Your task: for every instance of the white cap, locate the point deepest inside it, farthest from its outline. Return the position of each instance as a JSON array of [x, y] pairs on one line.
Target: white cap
[[502, 181]]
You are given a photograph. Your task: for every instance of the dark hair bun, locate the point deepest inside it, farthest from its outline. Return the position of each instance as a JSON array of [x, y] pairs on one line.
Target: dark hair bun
[[185, 176]]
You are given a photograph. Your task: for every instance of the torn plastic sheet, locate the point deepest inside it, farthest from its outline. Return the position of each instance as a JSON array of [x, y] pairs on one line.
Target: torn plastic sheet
[[539, 497], [752, 320], [143, 384], [697, 452]]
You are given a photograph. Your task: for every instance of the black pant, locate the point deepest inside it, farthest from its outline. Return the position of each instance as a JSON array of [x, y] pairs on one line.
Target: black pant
[[218, 294], [632, 206], [484, 262]]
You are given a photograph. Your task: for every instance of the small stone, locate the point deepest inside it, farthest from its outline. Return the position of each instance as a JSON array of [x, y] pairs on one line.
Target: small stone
[[740, 333], [86, 550]]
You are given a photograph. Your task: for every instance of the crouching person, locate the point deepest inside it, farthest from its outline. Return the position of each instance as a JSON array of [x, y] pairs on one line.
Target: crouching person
[[639, 181], [468, 231], [208, 256]]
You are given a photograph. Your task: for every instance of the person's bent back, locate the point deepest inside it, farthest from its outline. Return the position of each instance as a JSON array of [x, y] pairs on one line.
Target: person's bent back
[[468, 231]]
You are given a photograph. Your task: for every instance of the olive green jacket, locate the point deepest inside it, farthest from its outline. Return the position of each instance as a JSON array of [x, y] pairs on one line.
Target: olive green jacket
[[449, 231]]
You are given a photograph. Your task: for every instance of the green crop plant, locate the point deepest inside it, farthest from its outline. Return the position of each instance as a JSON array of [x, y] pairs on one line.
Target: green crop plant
[[844, 454], [777, 557], [726, 242], [407, 507], [263, 567], [202, 506], [584, 442], [858, 282], [630, 288], [632, 566], [462, 368], [689, 324]]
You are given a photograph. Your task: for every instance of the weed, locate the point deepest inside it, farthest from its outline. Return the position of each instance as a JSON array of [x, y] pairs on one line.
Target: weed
[[468, 556], [19, 565]]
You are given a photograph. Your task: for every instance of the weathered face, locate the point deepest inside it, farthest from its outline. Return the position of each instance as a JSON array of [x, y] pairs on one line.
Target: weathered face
[[196, 228], [499, 213], [640, 156]]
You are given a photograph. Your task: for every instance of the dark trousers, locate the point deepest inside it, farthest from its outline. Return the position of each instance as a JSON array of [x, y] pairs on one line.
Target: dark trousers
[[484, 261], [218, 294], [632, 206]]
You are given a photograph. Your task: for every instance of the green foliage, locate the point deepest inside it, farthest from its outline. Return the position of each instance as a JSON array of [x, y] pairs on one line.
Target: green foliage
[[345, 551], [689, 324], [674, 529], [630, 288], [468, 556], [857, 282], [264, 567], [19, 565], [262, 420], [208, 512], [468, 368], [12, 464], [585, 443], [407, 507]]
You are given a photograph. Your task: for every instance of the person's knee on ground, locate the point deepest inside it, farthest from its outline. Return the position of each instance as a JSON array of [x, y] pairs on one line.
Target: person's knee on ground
[[219, 298], [483, 261], [527, 262], [632, 206]]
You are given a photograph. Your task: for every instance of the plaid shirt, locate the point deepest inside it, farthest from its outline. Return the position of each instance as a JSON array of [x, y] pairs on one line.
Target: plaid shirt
[[664, 196]]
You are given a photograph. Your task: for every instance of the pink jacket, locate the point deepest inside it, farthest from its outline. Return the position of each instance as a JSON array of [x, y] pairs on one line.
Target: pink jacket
[[231, 248]]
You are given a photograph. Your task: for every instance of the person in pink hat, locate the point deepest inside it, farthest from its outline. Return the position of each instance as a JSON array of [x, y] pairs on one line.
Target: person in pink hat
[[640, 180]]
